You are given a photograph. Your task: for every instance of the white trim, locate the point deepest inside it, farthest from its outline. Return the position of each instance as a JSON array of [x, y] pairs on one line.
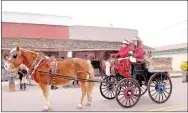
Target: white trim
[[125, 42], [132, 59], [123, 58], [14, 17]]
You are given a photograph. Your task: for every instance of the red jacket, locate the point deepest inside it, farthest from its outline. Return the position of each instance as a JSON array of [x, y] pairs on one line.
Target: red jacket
[[124, 51], [139, 53]]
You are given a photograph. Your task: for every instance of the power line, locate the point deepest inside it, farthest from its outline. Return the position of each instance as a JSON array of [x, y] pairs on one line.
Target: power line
[[175, 25]]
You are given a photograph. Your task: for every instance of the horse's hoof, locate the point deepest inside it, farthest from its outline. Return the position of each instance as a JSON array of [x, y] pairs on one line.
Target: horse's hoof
[[88, 104], [46, 108], [79, 106]]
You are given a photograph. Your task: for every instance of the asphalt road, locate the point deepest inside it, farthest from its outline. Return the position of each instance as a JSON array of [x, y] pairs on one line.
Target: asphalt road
[[66, 99]]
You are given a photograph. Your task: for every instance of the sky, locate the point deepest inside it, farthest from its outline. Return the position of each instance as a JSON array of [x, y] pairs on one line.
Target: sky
[[159, 23]]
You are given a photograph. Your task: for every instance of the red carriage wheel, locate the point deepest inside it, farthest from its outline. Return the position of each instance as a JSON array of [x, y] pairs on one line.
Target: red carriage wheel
[[128, 92]]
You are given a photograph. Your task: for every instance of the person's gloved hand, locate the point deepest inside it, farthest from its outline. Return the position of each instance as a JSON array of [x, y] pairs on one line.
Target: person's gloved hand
[[118, 56], [130, 53]]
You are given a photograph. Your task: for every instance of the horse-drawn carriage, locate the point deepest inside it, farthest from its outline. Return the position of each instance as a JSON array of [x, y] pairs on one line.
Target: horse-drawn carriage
[[152, 76], [155, 75]]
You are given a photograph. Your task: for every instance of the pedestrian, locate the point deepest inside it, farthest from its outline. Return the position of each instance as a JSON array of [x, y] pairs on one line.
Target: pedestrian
[[24, 81], [4, 72], [52, 70], [12, 77], [108, 67], [75, 84], [23, 71], [184, 68], [20, 77], [30, 80]]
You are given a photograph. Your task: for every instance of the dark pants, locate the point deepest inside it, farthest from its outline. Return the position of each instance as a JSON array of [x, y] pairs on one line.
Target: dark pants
[[22, 85], [132, 70], [54, 87], [74, 82]]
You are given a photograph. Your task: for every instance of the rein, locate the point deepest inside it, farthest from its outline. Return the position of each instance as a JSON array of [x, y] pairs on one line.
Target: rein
[[35, 63]]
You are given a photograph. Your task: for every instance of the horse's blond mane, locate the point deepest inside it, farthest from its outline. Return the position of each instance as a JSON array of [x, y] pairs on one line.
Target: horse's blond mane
[[29, 51]]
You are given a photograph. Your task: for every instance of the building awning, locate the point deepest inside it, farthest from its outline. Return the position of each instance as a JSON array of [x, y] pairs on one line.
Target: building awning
[[60, 44]]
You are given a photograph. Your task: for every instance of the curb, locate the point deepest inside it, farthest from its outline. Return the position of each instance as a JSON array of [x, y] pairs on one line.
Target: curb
[[179, 76]]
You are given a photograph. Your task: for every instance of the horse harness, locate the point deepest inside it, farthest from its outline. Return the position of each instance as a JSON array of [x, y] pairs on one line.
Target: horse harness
[[37, 63]]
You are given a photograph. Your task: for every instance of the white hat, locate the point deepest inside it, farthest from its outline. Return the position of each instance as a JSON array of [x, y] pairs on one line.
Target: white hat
[[125, 42], [137, 39]]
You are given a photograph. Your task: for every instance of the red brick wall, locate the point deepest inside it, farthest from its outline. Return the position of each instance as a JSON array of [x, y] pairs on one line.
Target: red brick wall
[[16, 30]]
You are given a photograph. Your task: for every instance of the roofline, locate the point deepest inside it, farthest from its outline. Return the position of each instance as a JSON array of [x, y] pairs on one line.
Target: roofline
[[77, 25], [36, 14], [171, 50], [161, 50], [31, 18], [171, 45], [76, 50]]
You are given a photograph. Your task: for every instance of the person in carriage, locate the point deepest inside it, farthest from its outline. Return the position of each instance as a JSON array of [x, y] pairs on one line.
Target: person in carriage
[[124, 51], [138, 51]]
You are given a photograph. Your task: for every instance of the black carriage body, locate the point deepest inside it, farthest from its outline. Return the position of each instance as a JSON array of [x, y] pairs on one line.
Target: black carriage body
[[158, 81], [140, 69]]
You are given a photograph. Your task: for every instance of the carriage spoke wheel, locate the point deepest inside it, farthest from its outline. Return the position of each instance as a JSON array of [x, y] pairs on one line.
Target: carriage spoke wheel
[[129, 92], [160, 87], [142, 82], [107, 88]]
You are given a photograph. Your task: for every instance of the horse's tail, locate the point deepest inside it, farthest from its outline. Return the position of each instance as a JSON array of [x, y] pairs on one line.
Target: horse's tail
[[91, 77]]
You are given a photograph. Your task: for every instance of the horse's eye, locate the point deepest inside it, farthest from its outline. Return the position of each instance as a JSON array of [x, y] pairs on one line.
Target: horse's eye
[[14, 56]]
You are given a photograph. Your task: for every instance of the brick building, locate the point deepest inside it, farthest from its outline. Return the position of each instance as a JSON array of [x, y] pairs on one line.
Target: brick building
[[56, 35]]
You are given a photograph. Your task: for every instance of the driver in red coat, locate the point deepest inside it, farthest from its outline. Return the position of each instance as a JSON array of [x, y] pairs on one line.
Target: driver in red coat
[[138, 52], [124, 51]]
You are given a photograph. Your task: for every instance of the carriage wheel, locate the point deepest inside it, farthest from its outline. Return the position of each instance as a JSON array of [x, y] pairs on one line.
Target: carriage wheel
[[129, 92], [107, 88], [160, 87], [142, 82]]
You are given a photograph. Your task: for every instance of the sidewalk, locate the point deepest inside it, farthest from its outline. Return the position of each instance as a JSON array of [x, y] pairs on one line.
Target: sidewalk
[[17, 81], [6, 82], [176, 75]]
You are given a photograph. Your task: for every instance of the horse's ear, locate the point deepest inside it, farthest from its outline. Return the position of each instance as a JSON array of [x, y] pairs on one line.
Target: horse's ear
[[17, 48]]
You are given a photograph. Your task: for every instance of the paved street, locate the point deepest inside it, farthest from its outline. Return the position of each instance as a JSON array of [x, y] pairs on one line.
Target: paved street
[[67, 99]]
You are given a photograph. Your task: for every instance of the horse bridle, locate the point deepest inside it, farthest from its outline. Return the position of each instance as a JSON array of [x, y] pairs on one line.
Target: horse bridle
[[15, 55]]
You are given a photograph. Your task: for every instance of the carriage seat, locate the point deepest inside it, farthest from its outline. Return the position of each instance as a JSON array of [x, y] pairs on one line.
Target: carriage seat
[[140, 66]]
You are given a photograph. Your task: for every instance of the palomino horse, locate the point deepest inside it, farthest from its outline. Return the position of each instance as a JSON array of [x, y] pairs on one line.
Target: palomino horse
[[66, 67]]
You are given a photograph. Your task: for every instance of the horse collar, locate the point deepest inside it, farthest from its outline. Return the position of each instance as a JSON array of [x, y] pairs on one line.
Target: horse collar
[[35, 63]]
